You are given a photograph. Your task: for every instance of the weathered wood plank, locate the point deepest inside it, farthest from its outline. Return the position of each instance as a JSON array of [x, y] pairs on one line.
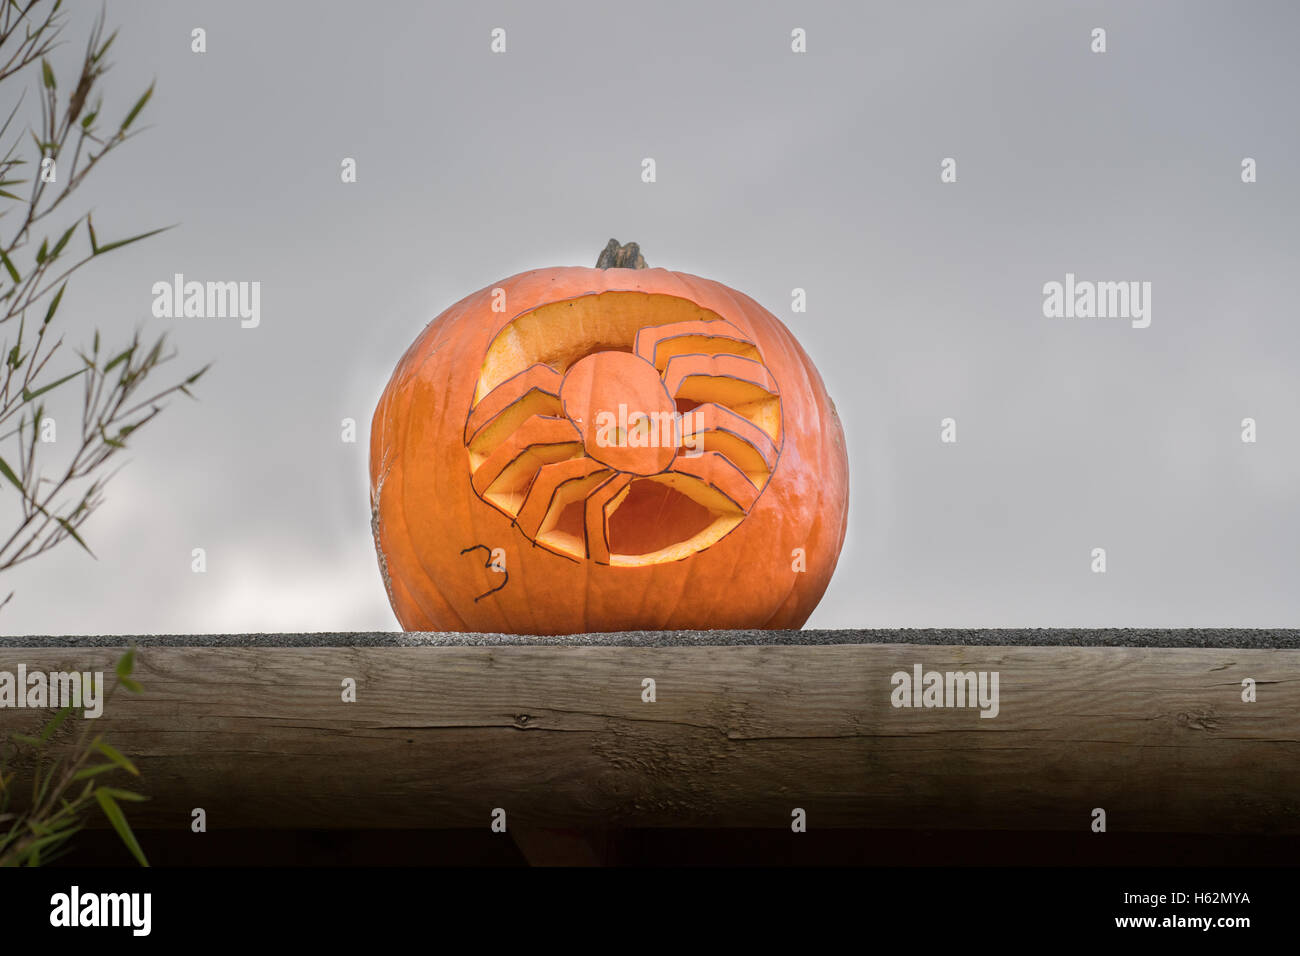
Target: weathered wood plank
[[738, 736]]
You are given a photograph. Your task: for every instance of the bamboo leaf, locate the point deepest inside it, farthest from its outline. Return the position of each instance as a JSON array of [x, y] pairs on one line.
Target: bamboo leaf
[[126, 242], [63, 241], [47, 74], [99, 55], [28, 396], [115, 755], [63, 523], [118, 819], [135, 110], [33, 849], [54, 722], [118, 359], [9, 473], [127, 795], [9, 267], [93, 771], [54, 304], [125, 664]]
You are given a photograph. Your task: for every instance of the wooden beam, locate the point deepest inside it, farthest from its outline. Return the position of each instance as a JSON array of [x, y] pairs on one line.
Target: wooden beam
[[738, 736]]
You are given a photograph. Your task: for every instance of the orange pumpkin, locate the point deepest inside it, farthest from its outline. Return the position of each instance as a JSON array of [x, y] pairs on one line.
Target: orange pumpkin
[[606, 449]]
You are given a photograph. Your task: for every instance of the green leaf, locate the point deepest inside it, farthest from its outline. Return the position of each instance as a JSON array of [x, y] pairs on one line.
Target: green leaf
[[9, 473], [24, 739], [133, 686], [127, 242], [9, 266], [113, 754], [93, 771], [33, 849], [118, 819], [58, 246], [9, 195], [54, 722], [73, 532], [28, 396], [118, 359], [126, 664], [128, 795], [42, 251], [41, 784], [48, 74], [54, 304], [90, 227], [135, 110], [99, 54]]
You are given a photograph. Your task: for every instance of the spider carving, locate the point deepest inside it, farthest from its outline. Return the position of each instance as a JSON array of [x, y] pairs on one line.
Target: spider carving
[[635, 453]]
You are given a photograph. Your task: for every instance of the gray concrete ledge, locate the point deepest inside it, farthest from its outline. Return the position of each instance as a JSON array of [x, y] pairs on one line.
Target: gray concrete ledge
[[1048, 637]]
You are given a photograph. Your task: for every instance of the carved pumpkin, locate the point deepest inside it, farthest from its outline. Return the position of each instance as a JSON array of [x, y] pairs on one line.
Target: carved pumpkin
[[606, 449]]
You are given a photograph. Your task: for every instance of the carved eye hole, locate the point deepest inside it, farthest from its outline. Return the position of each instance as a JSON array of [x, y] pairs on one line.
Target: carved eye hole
[[623, 428]]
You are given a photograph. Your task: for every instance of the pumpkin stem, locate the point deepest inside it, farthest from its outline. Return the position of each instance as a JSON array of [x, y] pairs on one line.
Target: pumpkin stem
[[615, 256]]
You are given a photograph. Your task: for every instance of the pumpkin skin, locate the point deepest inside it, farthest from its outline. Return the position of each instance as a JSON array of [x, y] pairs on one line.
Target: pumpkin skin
[[485, 445]]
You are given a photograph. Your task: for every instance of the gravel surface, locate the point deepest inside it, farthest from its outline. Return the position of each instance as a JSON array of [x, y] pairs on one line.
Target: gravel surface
[[1053, 637]]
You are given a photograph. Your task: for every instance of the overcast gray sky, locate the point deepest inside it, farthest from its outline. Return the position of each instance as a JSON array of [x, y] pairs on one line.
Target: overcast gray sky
[[775, 170]]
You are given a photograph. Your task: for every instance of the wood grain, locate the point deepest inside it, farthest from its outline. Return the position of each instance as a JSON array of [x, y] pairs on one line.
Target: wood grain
[[739, 736]]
